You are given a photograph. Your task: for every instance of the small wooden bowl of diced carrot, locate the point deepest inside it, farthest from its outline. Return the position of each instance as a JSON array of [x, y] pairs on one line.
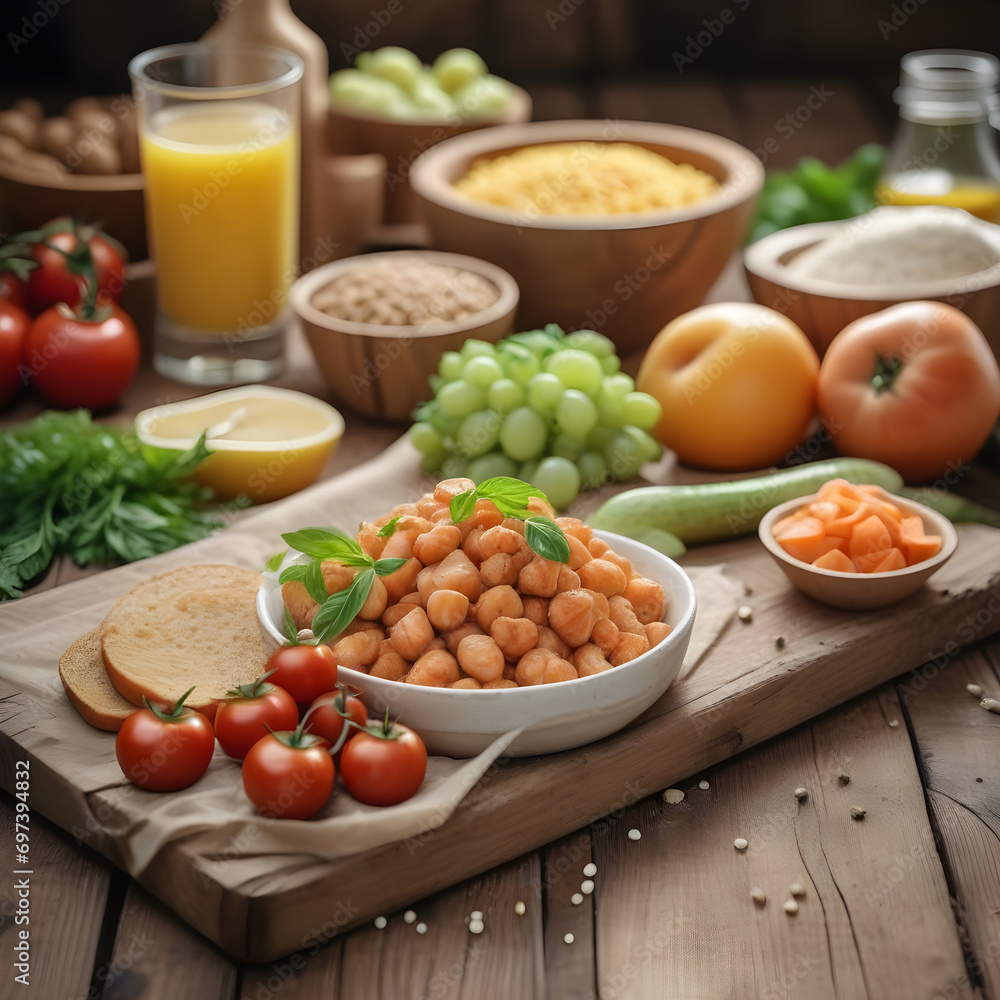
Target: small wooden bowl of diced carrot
[[857, 547]]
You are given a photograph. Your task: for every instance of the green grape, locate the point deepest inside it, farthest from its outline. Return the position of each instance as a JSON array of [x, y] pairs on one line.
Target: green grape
[[599, 437], [435, 382], [618, 384], [456, 67], [591, 341], [576, 370], [523, 434], [473, 348], [478, 434], [576, 413], [640, 409], [368, 92], [623, 456], [593, 470], [426, 438], [496, 463], [559, 479], [450, 365], [526, 473], [540, 343], [485, 97], [445, 426], [611, 408], [482, 371], [505, 395], [429, 97], [567, 446], [399, 65], [544, 393], [649, 448], [519, 363], [611, 364], [459, 399]]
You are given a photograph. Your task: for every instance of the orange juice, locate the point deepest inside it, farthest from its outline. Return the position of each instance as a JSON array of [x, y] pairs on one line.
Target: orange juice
[[221, 201]]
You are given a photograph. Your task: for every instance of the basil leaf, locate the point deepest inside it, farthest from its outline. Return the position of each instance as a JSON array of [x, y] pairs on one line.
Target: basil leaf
[[319, 543], [510, 495], [314, 581], [290, 630], [297, 571], [546, 538], [274, 562], [338, 610], [463, 505], [386, 566], [389, 528]]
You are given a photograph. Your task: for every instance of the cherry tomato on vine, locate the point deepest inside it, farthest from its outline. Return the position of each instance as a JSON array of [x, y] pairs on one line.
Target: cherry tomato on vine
[[289, 775], [251, 711], [57, 279], [304, 670], [14, 325], [164, 751], [329, 713], [384, 763], [13, 289]]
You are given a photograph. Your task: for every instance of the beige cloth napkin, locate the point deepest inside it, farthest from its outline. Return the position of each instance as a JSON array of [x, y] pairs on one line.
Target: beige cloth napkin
[[132, 825]]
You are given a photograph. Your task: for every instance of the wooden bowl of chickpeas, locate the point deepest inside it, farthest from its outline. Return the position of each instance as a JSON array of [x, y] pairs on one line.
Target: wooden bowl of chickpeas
[[82, 163], [378, 323], [443, 643]]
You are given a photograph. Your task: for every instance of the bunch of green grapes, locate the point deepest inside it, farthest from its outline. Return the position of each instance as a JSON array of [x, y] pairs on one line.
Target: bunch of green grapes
[[544, 406]]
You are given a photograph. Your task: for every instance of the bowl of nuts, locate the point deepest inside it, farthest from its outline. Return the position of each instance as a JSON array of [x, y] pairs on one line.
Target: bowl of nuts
[[82, 163], [378, 323]]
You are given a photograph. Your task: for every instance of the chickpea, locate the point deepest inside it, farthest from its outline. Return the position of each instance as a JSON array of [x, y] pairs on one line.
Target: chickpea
[[531, 667], [360, 649], [375, 602], [411, 634], [426, 584], [567, 579], [457, 572], [456, 635], [448, 489], [390, 666], [656, 632], [603, 576], [432, 546], [471, 544], [436, 643], [578, 552], [403, 581], [589, 659], [605, 635], [573, 527], [500, 539], [510, 672], [360, 625], [503, 682], [536, 609], [646, 598], [399, 545], [484, 515], [447, 609], [514, 524], [467, 683], [630, 645], [370, 541], [538, 506], [441, 516], [400, 510], [621, 613], [559, 669], [622, 562], [500, 569], [300, 605], [480, 657], [547, 639], [572, 616], [597, 547], [437, 668], [337, 576], [514, 636], [539, 578], [503, 600], [600, 602], [427, 506]]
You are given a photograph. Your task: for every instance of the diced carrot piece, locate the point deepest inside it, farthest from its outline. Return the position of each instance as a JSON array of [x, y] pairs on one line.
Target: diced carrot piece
[[800, 537], [825, 510], [869, 535], [843, 527], [785, 524], [916, 544], [836, 560], [894, 560], [868, 561]]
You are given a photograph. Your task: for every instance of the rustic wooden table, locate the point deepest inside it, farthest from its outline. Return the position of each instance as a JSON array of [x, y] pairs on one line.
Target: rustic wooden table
[[911, 913]]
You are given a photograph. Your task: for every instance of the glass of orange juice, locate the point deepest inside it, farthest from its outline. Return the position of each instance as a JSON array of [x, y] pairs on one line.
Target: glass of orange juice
[[219, 145]]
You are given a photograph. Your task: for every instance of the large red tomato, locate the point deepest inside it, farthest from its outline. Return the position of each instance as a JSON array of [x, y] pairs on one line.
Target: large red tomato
[[14, 325], [383, 764], [289, 774], [915, 386], [250, 713], [13, 289], [305, 670]]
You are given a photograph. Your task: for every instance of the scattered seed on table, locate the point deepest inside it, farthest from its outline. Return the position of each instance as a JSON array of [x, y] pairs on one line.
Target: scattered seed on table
[[991, 705], [975, 690], [519, 908], [380, 922], [704, 785], [797, 889], [791, 907], [576, 899], [476, 926], [745, 613], [590, 869], [844, 778], [780, 642], [409, 916], [587, 887], [741, 843], [634, 834], [894, 723], [476, 915], [858, 813], [421, 928], [672, 796], [801, 793], [758, 896], [568, 938]]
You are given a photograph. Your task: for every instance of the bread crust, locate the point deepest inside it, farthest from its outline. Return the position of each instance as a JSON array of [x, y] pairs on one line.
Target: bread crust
[[81, 670]]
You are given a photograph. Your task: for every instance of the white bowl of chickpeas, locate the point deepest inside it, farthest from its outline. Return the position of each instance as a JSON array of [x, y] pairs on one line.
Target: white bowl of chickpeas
[[478, 636]]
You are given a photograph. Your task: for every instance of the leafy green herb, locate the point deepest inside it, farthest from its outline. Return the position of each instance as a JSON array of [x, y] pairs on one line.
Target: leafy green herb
[[71, 487], [389, 528], [384, 567], [546, 538], [274, 562], [321, 543], [338, 610]]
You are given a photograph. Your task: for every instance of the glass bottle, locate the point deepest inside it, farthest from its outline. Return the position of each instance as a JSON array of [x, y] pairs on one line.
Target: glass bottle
[[944, 151]]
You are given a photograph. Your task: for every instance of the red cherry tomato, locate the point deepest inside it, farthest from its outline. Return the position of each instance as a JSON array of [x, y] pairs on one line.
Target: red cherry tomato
[[53, 281], [13, 289], [253, 711], [305, 671], [14, 325], [289, 774], [165, 751], [82, 362], [383, 764], [326, 716]]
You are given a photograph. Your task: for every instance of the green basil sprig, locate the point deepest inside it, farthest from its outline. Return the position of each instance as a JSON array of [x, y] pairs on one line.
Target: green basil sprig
[[511, 497]]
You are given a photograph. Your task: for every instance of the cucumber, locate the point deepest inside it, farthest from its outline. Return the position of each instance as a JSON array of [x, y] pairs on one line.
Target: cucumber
[[710, 512]]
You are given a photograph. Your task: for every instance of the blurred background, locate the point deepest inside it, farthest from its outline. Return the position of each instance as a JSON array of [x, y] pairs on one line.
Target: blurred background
[[648, 59]]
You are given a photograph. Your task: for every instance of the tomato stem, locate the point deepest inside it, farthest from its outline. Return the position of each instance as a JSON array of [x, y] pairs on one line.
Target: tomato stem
[[174, 714], [886, 372]]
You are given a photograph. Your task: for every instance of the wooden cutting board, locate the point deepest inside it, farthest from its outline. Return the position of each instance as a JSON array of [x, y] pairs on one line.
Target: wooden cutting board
[[793, 660]]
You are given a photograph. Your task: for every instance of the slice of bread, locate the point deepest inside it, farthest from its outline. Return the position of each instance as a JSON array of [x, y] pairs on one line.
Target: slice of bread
[[81, 670], [192, 627]]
